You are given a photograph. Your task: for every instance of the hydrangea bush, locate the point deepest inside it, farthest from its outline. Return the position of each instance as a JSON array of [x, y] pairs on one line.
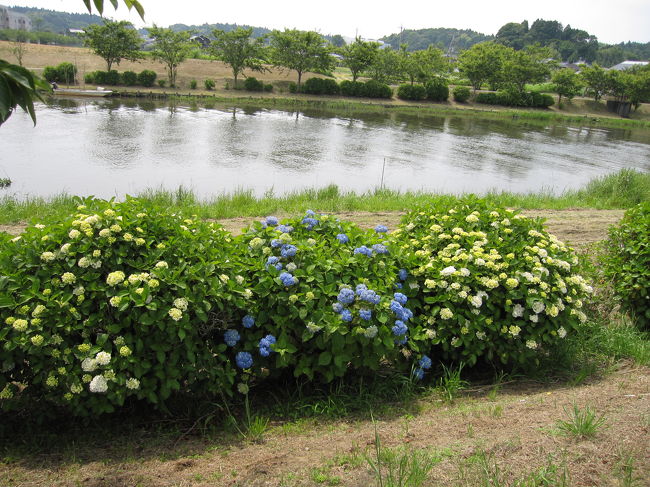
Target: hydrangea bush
[[115, 303], [120, 301], [325, 297], [627, 263], [487, 283]]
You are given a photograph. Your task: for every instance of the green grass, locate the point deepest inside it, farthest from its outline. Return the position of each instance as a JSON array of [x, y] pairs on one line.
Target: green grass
[[618, 190], [424, 109], [581, 423]]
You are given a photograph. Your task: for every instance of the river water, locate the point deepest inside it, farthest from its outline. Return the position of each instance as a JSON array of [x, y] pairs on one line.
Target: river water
[[111, 148]]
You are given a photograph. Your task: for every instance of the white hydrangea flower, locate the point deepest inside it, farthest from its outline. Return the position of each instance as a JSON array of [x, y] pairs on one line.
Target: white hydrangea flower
[[47, 256], [448, 271], [538, 307], [181, 303], [132, 383], [476, 301], [103, 358], [98, 384], [88, 364], [518, 311], [175, 314], [532, 344], [446, 313], [561, 332], [371, 332]]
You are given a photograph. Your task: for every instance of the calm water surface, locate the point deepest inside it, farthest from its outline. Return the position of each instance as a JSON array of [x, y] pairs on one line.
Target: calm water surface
[[111, 148]]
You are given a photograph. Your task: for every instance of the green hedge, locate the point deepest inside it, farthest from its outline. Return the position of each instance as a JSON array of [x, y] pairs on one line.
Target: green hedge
[[627, 263], [127, 78], [124, 302], [321, 86], [411, 92], [62, 73], [437, 89], [461, 94], [530, 100]]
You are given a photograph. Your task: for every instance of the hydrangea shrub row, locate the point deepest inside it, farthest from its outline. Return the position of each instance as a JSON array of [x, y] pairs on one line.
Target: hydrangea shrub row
[[627, 263], [118, 303]]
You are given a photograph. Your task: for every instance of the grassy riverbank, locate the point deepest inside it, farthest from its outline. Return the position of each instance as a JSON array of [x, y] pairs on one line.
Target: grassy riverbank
[[579, 111], [615, 191]]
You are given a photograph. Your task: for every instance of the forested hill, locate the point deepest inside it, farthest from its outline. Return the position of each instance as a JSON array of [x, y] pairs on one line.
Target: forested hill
[[44, 20], [206, 29], [447, 39]]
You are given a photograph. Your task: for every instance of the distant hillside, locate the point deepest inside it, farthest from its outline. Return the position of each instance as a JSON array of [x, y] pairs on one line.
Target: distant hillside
[[59, 22], [207, 29], [447, 39]]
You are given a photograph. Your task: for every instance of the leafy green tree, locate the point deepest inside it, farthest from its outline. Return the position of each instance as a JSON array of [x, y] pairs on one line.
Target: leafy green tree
[[513, 34], [300, 51], [596, 80], [385, 67], [171, 49], [337, 40], [567, 83], [239, 50], [530, 65], [422, 65], [482, 63], [359, 55], [113, 42]]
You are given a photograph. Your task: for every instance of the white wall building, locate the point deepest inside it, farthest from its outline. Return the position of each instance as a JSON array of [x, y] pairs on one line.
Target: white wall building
[[14, 20]]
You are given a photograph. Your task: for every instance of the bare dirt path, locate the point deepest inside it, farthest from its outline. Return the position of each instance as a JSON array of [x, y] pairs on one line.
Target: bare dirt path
[[577, 227], [516, 429]]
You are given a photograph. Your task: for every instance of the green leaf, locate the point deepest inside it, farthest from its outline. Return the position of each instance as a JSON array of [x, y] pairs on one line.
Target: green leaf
[[325, 358]]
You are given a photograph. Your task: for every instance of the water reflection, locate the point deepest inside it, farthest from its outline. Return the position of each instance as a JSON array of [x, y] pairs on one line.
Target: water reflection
[[111, 147]]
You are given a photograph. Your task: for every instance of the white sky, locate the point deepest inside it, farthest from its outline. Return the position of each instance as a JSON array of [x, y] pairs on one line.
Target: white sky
[[612, 21]]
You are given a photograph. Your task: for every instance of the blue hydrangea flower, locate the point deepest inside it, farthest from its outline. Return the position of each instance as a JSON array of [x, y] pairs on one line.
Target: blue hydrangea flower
[[337, 307], [400, 328], [288, 251], [396, 307], [276, 242], [381, 229], [418, 373], [310, 213], [343, 238], [284, 228], [380, 248], [231, 337], [363, 250], [403, 274], [398, 285], [264, 225], [407, 314], [272, 260], [361, 288], [248, 321], [287, 279], [425, 362], [310, 222], [400, 298], [370, 296], [365, 314], [265, 345], [244, 360], [346, 296], [402, 341], [271, 221], [346, 315]]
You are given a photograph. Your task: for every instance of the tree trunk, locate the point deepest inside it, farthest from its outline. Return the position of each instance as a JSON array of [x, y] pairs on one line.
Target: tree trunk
[[299, 78], [108, 65]]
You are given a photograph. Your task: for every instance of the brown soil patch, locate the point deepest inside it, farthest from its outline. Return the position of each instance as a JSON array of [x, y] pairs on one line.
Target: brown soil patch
[[516, 428], [576, 227]]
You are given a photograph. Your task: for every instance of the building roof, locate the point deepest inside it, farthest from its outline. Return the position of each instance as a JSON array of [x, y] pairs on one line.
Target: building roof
[[628, 64]]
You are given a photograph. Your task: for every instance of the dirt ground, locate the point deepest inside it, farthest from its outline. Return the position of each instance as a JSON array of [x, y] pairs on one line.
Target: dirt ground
[[516, 430], [578, 227]]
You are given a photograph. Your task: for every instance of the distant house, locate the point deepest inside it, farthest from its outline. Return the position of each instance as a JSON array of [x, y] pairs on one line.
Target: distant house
[[76, 32], [202, 40], [628, 64], [13, 20]]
